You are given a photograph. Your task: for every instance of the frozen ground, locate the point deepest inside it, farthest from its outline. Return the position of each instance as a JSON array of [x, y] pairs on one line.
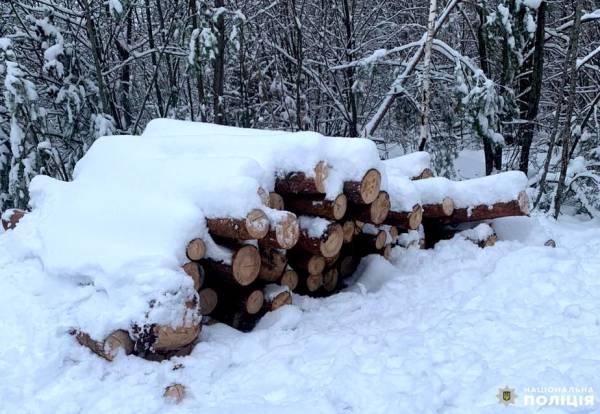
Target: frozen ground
[[435, 332]]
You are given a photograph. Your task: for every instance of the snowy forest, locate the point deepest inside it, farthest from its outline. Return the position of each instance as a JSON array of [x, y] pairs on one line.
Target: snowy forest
[[519, 79]]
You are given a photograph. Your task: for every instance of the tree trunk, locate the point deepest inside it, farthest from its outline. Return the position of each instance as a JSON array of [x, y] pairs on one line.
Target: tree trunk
[[425, 96]]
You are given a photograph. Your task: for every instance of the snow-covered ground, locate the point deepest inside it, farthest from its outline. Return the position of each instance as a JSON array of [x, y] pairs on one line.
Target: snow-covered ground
[[436, 331]]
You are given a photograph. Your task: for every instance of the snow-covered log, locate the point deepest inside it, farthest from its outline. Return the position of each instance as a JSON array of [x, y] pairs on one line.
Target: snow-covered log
[[319, 236], [415, 166], [196, 272], [318, 206], [410, 220], [11, 217], [374, 213], [284, 230], [276, 296], [109, 348], [241, 267], [252, 227], [348, 230], [366, 190], [482, 235], [298, 182], [436, 196]]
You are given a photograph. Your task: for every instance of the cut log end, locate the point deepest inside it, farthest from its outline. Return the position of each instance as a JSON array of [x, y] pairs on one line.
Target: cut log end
[[196, 249], [523, 200], [196, 272], [334, 241], [387, 252], [246, 265], [348, 230], [415, 218], [255, 302], [276, 201], [282, 299], [273, 264], [289, 279], [208, 301], [264, 197], [380, 240], [370, 186], [314, 282], [287, 231], [426, 173], [168, 338], [340, 205], [257, 224], [321, 173], [447, 206], [175, 393], [330, 280], [380, 208]]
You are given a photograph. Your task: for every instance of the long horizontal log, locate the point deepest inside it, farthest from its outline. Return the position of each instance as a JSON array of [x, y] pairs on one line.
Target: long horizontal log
[[254, 226], [195, 250], [283, 233], [518, 207], [243, 269], [406, 220], [370, 242], [364, 191], [326, 245], [300, 183], [374, 213], [318, 206], [443, 209]]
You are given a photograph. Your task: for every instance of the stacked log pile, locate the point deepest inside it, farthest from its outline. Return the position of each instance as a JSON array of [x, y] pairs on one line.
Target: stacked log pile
[[308, 241]]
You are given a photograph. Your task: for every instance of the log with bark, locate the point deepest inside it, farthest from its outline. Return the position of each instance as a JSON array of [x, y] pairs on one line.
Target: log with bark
[[110, 347], [366, 242], [317, 206], [305, 261], [366, 190], [254, 226], [374, 213], [241, 269], [300, 183], [347, 266], [443, 209], [410, 220], [196, 249], [10, 218], [275, 297], [283, 233], [273, 264], [326, 244], [517, 207]]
